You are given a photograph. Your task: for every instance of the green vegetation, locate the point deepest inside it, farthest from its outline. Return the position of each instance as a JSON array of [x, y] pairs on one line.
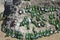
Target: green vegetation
[[35, 12], [46, 33], [35, 23], [51, 9], [58, 27], [55, 23], [28, 36], [51, 16], [51, 31], [25, 22], [8, 32], [18, 35], [15, 34], [37, 18], [42, 23]]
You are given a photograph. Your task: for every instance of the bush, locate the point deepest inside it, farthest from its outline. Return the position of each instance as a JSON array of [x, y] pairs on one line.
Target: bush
[[51, 16], [42, 23]]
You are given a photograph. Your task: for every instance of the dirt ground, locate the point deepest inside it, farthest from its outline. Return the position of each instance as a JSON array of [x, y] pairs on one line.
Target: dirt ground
[[2, 35]]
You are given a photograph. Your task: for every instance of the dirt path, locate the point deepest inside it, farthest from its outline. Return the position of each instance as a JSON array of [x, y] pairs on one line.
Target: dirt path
[[1, 8]]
